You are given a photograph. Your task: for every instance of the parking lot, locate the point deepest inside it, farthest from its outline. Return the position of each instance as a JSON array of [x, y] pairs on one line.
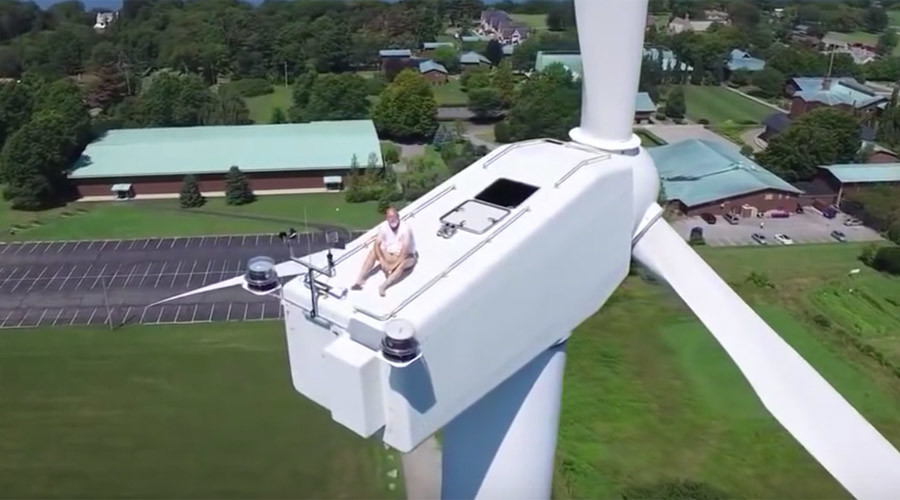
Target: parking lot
[[808, 227]]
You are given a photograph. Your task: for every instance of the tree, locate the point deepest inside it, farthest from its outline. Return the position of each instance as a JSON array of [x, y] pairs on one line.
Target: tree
[[494, 52], [228, 108], [741, 77], [175, 101], [278, 116], [16, 102], [390, 153], [770, 81], [887, 41], [337, 97], [743, 14], [407, 108], [675, 107], [504, 81], [448, 57], [10, 63], [33, 162], [422, 174], [486, 102], [190, 196], [875, 19], [237, 188], [475, 78], [442, 138], [561, 16], [547, 105], [300, 94], [330, 44], [824, 136]]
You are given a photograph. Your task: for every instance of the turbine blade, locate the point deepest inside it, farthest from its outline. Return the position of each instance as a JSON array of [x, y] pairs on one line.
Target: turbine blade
[[237, 280], [830, 429]]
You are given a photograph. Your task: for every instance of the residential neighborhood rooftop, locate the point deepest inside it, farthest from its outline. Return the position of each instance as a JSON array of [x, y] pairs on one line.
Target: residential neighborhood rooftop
[[850, 173], [473, 58], [436, 45], [426, 66], [214, 149], [743, 60], [836, 91], [395, 53], [697, 171]]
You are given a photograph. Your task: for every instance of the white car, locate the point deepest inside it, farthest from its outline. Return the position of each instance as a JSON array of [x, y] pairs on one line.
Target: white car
[[784, 239]]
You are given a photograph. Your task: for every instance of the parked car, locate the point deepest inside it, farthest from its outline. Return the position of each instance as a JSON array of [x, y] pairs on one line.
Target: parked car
[[852, 221], [731, 218], [708, 218], [829, 213], [840, 236], [779, 214], [760, 238], [784, 239]]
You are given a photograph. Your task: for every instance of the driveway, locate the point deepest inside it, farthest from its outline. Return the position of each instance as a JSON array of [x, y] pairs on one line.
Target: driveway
[[808, 227], [675, 133]]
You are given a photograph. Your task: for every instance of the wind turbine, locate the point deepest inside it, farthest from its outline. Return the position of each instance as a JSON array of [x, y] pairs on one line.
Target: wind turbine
[[515, 252]]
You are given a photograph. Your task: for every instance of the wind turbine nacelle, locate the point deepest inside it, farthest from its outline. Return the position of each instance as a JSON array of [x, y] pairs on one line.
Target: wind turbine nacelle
[[498, 280]]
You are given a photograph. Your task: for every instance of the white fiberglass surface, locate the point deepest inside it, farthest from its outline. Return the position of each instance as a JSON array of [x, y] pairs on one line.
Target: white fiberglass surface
[[540, 164], [798, 397]]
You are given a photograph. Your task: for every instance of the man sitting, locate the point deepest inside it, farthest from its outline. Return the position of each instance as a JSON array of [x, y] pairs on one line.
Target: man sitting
[[394, 252]]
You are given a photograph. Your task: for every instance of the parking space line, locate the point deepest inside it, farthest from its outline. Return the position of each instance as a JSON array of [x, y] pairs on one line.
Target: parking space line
[[77, 312], [229, 242], [91, 319], [160, 275], [130, 273], [143, 313], [175, 274], [158, 243], [202, 241], [49, 246], [127, 312], [177, 312], [99, 275], [246, 308], [257, 240], [206, 274], [211, 309], [19, 247], [81, 279], [8, 277], [146, 272], [222, 272], [34, 247], [146, 242], [36, 279], [105, 242], [57, 317], [131, 246], [77, 243], [243, 240], [61, 247], [262, 314], [119, 242], [159, 316], [194, 316], [191, 274], [215, 241], [41, 318], [6, 247], [6, 319], [173, 243], [27, 272], [228, 314], [27, 312], [113, 279]]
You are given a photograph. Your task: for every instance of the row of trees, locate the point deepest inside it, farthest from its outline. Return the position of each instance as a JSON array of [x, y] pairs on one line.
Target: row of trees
[[237, 190]]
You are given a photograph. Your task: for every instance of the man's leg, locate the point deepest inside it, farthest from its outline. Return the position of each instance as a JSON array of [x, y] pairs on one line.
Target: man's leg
[[366, 268], [396, 274]]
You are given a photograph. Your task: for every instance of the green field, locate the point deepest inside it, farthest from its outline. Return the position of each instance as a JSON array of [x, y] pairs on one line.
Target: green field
[[261, 107], [894, 18], [133, 219], [535, 21], [651, 396], [450, 93], [197, 411], [718, 104]]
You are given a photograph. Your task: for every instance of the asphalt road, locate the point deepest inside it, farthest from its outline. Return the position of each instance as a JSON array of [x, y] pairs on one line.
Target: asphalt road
[[71, 282]]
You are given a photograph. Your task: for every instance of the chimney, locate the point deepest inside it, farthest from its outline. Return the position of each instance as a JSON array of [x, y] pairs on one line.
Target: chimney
[[826, 83], [611, 36]]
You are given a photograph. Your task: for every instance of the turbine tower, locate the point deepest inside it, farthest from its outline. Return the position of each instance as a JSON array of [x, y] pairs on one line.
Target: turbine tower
[[515, 252]]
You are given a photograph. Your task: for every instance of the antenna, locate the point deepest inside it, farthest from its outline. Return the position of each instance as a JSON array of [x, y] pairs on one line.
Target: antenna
[[611, 50]]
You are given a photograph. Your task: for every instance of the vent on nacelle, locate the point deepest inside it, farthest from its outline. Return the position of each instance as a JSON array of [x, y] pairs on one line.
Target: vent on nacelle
[[506, 193]]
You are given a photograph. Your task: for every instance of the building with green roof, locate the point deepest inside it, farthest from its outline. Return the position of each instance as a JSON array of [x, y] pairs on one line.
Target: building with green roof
[[705, 176], [854, 176], [275, 157]]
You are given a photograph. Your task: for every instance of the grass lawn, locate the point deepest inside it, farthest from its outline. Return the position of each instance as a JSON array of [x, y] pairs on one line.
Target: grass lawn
[[869, 38], [196, 411], [535, 21], [261, 107], [894, 18], [164, 218], [718, 104], [661, 20], [450, 93], [648, 140], [650, 395]]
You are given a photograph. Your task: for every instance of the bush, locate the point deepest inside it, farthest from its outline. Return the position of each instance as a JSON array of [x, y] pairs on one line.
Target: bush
[[252, 87], [376, 84], [703, 121], [867, 256], [746, 150], [760, 279], [390, 154], [821, 321], [741, 77], [887, 259], [660, 116], [190, 196], [237, 188], [502, 132], [893, 232]]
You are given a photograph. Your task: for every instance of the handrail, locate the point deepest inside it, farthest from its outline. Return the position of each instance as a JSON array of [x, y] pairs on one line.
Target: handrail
[[424, 288], [582, 163], [516, 146]]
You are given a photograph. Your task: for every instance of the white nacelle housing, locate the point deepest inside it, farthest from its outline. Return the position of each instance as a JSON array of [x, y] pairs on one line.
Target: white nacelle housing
[[544, 238]]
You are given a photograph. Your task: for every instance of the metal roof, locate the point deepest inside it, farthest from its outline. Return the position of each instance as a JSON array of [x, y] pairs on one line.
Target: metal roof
[[743, 60], [426, 66], [697, 172], [864, 172], [473, 58], [435, 45], [841, 91], [571, 60], [254, 148], [395, 53], [643, 103]]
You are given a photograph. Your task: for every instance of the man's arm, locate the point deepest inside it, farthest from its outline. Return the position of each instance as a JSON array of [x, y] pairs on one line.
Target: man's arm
[[404, 246]]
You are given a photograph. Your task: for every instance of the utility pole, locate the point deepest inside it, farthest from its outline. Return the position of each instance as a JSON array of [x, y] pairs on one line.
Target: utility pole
[[285, 74]]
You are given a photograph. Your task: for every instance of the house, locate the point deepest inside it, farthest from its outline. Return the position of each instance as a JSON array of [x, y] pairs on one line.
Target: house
[[473, 59], [680, 25], [104, 20], [808, 93], [435, 73], [717, 16], [509, 50], [395, 60], [738, 59], [851, 177], [154, 161], [669, 60], [572, 60], [502, 28], [705, 176], [430, 46]]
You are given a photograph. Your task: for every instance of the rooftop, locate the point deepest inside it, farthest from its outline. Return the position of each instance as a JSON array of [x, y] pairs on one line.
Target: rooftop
[[743, 60], [426, 66], [643, 103], [254, 148], [435, 45], [473, 58], [395, 53], [697, 172], [841, 91], [669, 60], [865, 172]]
